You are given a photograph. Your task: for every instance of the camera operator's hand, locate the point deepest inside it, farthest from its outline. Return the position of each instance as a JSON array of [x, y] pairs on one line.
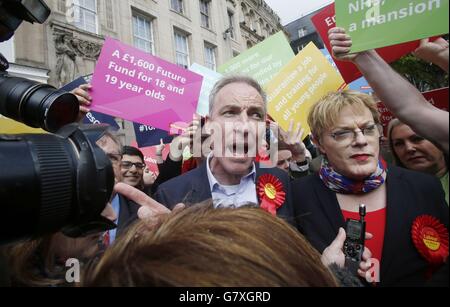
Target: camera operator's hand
[[150, 210], [82, 93], [334, 254]]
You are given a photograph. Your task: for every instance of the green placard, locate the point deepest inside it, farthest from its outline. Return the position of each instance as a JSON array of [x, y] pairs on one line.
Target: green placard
[[379, 23], [263, 61]]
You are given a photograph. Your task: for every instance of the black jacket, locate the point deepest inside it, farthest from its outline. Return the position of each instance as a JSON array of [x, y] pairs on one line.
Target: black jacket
[[193, 187], [168, 170], [127, 214], [409, 195]]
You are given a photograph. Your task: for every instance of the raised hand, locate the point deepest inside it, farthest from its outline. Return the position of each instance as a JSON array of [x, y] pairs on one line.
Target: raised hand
[[434, 52], [82, 93], [341, 44], [294, 140], [184, 140]]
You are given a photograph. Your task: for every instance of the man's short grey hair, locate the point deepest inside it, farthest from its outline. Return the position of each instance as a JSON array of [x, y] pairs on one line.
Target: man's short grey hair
[[113, 135], [235, 79]]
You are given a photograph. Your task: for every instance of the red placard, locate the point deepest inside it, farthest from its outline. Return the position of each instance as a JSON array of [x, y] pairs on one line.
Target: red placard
[[439, 98], [150, 156], [325, 20]]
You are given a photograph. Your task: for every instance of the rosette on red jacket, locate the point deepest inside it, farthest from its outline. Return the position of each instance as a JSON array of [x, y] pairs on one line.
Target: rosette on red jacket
[[271, 193], [430, 237]]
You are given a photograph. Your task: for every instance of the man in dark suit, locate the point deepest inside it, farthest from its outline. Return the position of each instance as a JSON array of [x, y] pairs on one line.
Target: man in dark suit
[[124, 209], [194, 187], [127, 214], [230, 176]]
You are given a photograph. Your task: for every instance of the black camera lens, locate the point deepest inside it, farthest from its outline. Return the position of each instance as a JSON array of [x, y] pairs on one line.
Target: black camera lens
[[53, 182], [37, 105]]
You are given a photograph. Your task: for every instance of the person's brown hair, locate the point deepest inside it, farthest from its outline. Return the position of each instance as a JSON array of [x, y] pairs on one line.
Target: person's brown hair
[[41, 262], [206, 247], [31, 263]]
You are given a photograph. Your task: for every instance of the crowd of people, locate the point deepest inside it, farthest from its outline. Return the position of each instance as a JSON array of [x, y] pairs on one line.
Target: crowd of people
[[221, 219]]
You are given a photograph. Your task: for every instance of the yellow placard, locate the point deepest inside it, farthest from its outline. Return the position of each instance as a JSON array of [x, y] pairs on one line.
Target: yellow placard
[[9, 126], [300, 84]]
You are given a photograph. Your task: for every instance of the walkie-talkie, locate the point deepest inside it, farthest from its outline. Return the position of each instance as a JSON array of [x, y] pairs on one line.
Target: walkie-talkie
[[354, 243]]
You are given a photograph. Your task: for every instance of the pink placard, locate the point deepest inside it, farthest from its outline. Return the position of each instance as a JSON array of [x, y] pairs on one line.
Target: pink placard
[[133, 85]]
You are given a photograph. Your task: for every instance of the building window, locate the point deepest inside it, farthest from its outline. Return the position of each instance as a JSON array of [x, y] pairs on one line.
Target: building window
[[143, 33], [182, 49], [245, 14], [210, 56], [300, 47], [86, 15], [205, 11], [252, 20], [177, 6], [7, 49], [62, 6], [302, 32], [267, 31], [260, 27], [231, 24], [109, 14]]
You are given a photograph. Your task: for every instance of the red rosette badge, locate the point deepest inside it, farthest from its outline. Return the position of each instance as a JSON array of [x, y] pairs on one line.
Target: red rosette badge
[[271, 193], [430, 237]]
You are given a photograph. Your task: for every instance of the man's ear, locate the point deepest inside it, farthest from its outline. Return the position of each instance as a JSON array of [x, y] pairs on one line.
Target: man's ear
[[207, 125], [316, 141]]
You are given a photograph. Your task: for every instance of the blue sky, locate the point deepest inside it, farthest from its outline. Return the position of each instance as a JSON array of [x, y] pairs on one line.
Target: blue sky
[[290, 10]]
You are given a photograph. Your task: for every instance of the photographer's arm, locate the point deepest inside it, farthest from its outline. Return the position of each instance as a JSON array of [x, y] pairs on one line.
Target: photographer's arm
[[402, 98]]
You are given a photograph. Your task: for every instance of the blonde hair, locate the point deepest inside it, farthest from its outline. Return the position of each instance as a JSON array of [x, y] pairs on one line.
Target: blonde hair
[[206, 247], [392, 125], [325, 113]]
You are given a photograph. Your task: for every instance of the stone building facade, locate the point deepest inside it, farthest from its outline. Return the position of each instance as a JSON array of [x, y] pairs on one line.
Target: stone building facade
[[208, 32]]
